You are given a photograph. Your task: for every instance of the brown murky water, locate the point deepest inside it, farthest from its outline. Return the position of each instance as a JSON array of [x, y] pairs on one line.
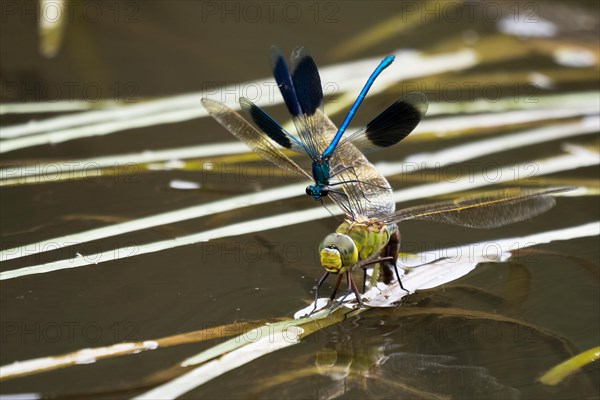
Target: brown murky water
[[129, 51]]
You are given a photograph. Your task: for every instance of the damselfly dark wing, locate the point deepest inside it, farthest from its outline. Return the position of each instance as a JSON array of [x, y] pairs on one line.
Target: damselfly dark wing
[[345, 175], [303, 95], [269, 126], [392, 125]]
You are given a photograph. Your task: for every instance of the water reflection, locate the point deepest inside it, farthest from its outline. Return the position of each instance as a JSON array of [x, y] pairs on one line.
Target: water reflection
[[431, 349]]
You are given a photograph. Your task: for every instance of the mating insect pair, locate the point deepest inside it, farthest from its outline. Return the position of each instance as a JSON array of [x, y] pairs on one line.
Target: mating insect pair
[[340, 170]]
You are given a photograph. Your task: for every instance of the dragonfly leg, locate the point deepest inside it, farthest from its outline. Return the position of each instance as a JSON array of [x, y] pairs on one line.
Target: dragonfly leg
[[348, 291], [337, 285], [346, 207], [356, 180], [346, 168], [352, 288], [355, 290], [365, 263], [370, 262], [319, 284], [330, 213], [400, 280], [391, 251]]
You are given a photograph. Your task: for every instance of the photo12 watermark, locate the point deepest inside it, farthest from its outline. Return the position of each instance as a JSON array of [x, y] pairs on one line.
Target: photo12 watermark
[[87, 171], [70, 11], [468, 11], [29, 332], [69, 91], [89, 253], [413, 252], [270, 12], [267, 92]]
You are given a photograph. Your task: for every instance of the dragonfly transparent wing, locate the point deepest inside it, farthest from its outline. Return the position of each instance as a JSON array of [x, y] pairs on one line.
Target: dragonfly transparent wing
[[367, 192], [489, 210], [245, 132]]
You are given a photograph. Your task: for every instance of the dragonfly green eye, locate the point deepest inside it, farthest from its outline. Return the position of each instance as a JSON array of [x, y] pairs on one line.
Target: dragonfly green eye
[[337, 252]]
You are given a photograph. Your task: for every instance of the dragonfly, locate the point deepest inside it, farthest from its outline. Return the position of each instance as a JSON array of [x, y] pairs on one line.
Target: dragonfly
[[316, 135], [369, 234], [364, 238]]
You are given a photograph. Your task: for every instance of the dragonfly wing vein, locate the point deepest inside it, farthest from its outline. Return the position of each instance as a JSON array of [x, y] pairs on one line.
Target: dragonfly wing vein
[[245, 132]]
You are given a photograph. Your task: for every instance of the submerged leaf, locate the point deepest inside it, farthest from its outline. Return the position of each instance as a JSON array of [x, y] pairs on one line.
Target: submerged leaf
[[557, 374]]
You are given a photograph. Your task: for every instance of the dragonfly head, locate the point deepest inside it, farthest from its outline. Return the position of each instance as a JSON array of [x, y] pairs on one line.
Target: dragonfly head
[[337, 252]]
